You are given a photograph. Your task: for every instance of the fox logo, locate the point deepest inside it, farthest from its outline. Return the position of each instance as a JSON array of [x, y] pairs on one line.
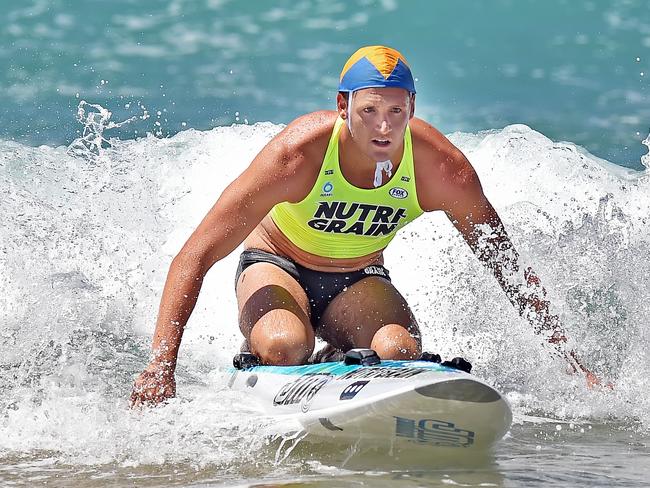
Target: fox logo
[[397, 192]]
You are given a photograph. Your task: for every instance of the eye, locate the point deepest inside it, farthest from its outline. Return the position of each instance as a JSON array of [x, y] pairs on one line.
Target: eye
[[397, 110], [368, 110]]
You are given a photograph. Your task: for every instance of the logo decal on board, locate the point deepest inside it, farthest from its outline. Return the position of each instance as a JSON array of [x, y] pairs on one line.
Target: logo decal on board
[[397, 192], [327, 423], [301, 390], [371, 373], [350, 391], [433, 432]]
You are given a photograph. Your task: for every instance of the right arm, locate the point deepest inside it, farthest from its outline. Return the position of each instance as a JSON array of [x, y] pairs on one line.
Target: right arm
[[280, 172]]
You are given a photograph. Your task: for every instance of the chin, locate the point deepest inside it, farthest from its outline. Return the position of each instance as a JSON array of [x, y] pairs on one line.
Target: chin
[[379, 155]]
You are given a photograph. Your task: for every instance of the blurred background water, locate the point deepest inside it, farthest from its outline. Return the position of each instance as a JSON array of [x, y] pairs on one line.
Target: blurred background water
[[575, 70]]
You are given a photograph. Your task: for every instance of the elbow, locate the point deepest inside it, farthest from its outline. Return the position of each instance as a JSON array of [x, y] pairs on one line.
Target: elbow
[[192, 262]]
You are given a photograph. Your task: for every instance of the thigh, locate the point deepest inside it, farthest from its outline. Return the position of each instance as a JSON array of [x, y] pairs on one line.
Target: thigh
[[357, 313], [272, 301]]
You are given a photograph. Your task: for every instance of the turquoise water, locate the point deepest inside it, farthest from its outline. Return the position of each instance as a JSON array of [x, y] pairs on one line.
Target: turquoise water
[[90, 225], [574, 70]]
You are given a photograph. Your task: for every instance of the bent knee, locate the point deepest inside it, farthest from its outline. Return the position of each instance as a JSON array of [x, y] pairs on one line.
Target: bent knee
[[282, 351], [394, 341], [282, 344]]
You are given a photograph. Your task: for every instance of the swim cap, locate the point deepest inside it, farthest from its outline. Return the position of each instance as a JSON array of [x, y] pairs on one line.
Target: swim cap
[[376, 67]]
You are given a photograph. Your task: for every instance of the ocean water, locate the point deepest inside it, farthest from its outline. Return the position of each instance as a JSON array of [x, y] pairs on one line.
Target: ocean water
[[576, 70], [121, 124]]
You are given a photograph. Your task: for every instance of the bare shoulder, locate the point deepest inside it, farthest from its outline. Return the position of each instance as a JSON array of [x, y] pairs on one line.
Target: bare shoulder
[[306, 138], [294, 156], [442, 171]]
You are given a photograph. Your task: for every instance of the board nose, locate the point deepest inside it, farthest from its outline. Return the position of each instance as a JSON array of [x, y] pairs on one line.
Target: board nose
[[462, 390]]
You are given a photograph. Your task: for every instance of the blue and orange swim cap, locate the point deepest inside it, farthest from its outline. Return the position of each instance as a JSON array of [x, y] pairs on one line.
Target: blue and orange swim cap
[[376, 67]]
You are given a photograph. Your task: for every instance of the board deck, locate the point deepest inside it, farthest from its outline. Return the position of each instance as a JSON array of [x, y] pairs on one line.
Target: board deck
[[399, 402]]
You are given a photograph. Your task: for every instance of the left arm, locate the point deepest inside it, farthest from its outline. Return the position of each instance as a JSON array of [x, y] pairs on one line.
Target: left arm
[[482, 229], [480, 226]]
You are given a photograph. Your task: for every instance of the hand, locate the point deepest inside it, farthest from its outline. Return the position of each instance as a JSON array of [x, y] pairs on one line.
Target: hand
[[154, 385], [593, 381]]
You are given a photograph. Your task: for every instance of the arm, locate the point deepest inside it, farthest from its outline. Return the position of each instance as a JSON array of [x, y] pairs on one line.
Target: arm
[[472, 214], [277, 174]]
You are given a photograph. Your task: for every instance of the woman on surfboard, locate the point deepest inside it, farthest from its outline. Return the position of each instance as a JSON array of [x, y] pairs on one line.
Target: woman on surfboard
[[315, 210]]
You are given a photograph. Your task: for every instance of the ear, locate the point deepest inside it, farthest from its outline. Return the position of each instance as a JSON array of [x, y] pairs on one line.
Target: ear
[[342, 106], [412, 106]]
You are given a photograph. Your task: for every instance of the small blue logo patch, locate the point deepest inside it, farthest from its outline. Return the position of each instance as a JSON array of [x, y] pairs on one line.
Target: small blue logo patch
[[327, 189], [351, 391], [397, 192]]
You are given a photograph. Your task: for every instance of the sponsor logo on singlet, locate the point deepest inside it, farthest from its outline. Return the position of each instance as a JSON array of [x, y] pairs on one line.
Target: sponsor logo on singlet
[[397, 192], [362, 219], [327, 189]]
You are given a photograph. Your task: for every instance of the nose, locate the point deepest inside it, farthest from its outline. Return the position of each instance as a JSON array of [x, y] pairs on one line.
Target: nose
[[384, 126]]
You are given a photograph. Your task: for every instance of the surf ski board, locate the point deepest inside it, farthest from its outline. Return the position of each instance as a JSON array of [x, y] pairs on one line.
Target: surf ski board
[[403, 402]]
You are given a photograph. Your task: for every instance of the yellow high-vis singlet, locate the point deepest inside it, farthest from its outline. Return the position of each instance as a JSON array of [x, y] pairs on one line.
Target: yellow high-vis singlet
[[339, 220]]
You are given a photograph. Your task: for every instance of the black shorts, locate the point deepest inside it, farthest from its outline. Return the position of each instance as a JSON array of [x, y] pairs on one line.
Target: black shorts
[[321, 287]]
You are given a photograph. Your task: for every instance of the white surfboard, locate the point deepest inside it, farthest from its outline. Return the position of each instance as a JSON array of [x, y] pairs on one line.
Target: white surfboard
[[399, 402]]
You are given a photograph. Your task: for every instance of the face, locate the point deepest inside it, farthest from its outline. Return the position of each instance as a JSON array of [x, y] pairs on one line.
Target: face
[[378, 119]]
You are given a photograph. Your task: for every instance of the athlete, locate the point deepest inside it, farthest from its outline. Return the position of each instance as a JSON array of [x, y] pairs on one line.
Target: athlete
[[316, 209]]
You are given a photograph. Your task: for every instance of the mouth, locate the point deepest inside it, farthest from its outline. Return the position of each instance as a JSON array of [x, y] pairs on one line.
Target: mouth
[[381, 142]]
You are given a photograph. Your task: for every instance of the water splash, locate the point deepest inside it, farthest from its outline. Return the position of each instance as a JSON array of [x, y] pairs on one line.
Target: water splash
[[96, 120], [86, 249], [645, 159]]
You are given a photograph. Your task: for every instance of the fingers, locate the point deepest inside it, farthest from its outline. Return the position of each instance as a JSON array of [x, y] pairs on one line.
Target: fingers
[[151, 389], [149, 397], [134, 400], [594, 382]]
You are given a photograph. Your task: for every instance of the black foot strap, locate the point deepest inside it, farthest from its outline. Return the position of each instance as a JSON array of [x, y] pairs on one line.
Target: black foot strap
[[431, 357], [245, 360], [458, 363], [364, 357]]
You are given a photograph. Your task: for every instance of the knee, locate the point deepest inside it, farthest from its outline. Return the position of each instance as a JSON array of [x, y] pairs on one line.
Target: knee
[[393, 341], [281, 345], [282, 350]]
